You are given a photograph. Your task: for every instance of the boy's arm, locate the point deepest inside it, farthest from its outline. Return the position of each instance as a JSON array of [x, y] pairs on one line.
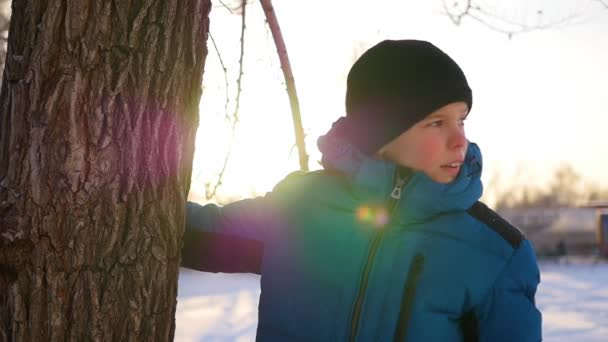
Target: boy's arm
[[253, 218], [213, 252], [228, 238], [509, 313]]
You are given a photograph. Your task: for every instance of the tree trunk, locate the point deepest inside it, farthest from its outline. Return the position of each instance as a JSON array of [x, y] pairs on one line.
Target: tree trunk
[[98, 116]]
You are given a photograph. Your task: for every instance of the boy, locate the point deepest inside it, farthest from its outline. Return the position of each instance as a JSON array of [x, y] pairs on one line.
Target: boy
[[389, 241]]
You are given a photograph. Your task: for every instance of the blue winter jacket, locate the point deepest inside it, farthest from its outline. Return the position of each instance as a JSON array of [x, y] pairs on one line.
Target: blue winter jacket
[[355, 253]]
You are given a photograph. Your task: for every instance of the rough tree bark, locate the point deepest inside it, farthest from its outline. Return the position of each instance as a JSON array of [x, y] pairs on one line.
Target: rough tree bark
[[98, 115]]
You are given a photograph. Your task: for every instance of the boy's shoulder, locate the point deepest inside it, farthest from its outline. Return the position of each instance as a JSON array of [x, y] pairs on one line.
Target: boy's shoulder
[[322, 186], [298, 179], [493, 221]]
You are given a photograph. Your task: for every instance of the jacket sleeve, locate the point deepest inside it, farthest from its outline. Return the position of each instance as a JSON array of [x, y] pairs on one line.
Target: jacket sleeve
[[228, 238], [252, 219], [509, 312]]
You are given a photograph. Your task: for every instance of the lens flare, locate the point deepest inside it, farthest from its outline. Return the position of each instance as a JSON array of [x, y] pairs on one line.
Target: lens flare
[[381, 217], [375, 216], [364, 213]]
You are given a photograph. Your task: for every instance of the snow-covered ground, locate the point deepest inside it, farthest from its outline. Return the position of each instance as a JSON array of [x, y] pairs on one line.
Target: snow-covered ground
[[573, 297]]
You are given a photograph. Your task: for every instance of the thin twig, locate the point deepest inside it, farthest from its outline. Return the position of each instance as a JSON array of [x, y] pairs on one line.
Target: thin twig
[[219, 56], [477, 13], [456, 19], [527, 28], [226, 6], [604, 3], [235, 115], [522, 28]]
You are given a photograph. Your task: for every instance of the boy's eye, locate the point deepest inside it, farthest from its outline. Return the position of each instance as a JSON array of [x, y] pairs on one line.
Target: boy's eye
[[440, 122], [436, 123]]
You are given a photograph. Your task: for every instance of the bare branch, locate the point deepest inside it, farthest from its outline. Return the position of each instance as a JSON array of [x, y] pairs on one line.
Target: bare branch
[[456, 18], [520, 28], [523, 27], [219, 56], [496, 22], [233, 8], [603, 3], [235, 115], [273, 23], [226, 7]]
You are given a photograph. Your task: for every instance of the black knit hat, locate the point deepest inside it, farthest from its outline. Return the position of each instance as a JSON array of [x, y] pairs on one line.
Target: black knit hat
[[395, 84]]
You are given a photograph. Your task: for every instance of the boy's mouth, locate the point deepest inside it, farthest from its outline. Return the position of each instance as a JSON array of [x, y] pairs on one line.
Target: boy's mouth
[[452, 167]]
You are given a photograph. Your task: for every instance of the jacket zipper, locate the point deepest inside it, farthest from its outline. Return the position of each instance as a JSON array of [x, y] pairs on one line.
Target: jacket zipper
[[392, 203], [409, 291]]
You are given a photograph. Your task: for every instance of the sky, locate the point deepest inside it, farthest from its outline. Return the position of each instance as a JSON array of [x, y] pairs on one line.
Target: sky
[[538, 97]]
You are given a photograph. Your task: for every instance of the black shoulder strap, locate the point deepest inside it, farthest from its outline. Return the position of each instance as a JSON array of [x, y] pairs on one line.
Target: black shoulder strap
[[468, 325], [501, 226]]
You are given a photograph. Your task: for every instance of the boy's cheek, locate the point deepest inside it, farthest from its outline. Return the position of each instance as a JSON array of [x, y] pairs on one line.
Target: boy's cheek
[[429, 154]]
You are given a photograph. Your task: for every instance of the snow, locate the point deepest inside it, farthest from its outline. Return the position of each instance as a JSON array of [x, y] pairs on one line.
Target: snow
[[216, 307], [573, 297]]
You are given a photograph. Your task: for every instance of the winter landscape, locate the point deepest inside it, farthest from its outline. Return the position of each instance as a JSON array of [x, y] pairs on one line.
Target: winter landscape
[[573, 297]]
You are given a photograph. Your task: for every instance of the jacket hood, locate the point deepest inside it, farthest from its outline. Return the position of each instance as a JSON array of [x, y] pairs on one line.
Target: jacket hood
[[373, 179]]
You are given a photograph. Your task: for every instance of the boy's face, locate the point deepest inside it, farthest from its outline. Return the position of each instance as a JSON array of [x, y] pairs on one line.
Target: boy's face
[[436, 145]]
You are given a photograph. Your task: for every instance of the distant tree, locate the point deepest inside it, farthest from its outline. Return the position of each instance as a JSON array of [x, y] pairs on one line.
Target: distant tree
[[566, 188]]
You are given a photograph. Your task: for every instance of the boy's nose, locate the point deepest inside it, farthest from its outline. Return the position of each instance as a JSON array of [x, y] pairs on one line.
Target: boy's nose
[[457, 139]]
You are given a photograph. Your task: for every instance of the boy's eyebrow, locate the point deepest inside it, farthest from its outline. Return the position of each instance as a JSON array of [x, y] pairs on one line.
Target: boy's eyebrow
[[443, 115]]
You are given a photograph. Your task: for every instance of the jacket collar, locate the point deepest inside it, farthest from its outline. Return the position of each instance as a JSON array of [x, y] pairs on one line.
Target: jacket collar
[[373, 180]]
